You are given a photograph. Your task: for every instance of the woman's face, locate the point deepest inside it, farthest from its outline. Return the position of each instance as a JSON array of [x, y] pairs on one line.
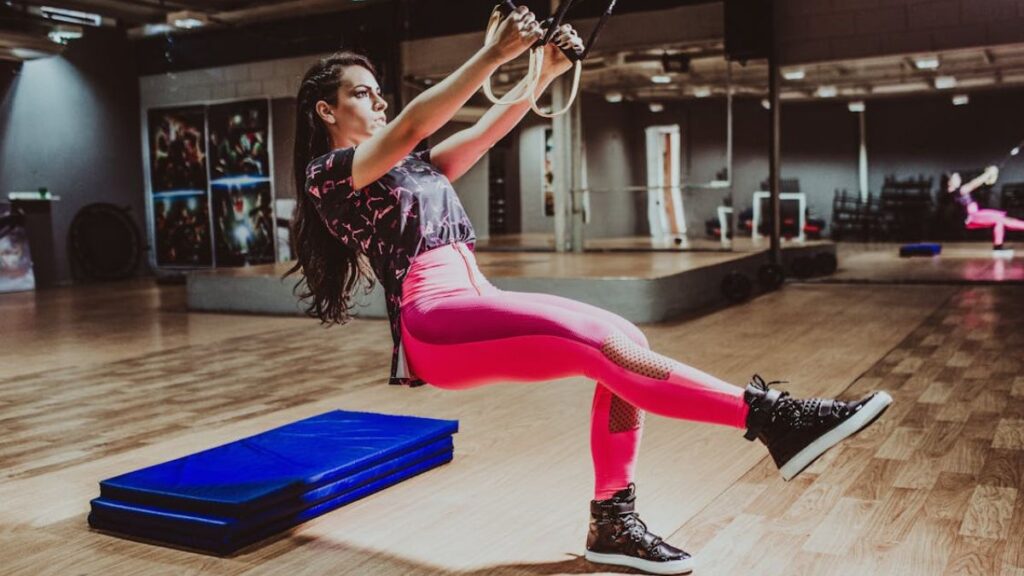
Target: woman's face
[[359, 111], [954, 181]]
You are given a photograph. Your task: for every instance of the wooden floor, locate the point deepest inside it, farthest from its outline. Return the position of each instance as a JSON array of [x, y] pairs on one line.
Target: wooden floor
[[959, 262], [105, 379]]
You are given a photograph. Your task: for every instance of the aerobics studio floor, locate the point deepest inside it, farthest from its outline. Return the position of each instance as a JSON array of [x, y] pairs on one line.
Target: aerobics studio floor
[[102, 379]]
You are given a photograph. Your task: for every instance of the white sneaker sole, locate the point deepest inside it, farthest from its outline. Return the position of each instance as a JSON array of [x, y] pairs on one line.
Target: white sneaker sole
[[866, 415], [684, 566]]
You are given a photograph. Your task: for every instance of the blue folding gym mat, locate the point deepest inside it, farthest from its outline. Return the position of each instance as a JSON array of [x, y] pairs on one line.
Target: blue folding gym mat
[[222, 526], [227, 497], [255, 472], [231, 542], [920, 249]]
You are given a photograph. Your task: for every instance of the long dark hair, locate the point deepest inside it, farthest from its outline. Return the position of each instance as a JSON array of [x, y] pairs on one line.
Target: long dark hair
[[328, 269]]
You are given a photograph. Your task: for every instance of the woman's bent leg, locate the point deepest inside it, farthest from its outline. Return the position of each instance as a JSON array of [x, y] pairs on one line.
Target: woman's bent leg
[[616, 426]]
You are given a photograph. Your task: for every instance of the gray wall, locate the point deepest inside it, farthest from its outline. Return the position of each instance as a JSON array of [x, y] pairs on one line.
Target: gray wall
[[71, 123], [930, 136], [614, 162]]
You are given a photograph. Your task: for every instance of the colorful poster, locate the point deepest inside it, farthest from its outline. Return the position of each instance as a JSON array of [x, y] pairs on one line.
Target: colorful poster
[[240, 182], [182, 222], [15, 258], [177, 157], [177, 141], [238, 139], [243, 221]]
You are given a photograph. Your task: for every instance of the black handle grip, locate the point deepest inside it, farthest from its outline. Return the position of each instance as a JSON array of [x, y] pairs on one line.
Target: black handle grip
[[550, 26]]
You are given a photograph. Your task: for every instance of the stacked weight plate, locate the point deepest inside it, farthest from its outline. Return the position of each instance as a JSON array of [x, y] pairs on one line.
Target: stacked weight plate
[[225, 498]]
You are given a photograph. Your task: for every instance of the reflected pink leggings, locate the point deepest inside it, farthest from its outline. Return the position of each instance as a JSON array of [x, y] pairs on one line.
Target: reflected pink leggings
[[459, 331], [997, 220]]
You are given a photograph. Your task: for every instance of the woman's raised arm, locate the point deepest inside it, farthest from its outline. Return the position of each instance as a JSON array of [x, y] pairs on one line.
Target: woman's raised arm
[[432, 109]]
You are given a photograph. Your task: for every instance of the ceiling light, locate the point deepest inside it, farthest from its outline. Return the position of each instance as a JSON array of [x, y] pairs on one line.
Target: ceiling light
[[826, 92], [613, 97], [661, 79], [926, 62], [961, 100], [71, 16], [64, 33], [794, 74], [702, 91], [656, 107], [766, 104], [187, 19], [856, 106], [944, 82], [156, 29]]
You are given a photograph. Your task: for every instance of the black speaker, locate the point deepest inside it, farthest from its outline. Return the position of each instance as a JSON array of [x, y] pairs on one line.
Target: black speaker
[[748, 29]]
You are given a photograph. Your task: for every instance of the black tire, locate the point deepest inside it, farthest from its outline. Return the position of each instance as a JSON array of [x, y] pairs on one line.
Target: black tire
[[802, 267], [104, 243]]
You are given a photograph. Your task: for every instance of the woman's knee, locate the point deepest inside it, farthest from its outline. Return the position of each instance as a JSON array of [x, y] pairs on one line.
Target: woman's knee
[[634, 333]]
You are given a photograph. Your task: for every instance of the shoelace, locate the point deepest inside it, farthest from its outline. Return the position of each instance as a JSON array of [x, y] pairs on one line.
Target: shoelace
[[759, 382]]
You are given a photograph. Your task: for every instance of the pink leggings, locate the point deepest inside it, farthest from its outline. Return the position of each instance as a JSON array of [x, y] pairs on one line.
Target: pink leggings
[[994, 219], [459, 331]]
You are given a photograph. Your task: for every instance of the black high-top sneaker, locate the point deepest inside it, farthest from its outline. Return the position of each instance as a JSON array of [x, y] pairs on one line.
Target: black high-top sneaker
[[618, 536], [797, 432]]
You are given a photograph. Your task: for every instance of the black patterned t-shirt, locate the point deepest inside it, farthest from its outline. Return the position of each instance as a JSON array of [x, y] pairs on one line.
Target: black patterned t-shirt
[[411, 209]]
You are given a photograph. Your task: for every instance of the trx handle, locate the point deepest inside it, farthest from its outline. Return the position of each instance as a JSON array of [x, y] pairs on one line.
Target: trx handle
[[551, 26]]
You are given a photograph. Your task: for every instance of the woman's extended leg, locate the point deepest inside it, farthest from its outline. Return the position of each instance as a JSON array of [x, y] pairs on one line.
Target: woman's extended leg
[[464, 341], [995, 219]]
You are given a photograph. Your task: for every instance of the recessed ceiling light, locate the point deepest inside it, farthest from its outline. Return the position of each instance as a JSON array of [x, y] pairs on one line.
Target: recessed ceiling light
[[794, 74], [944, 82], [961, 100], [826, 92], [926, 62], [71, 16], [64, 33], [613, 97], [661, 79], [702, 91], [856, 106], [187, 19], [656, 107]]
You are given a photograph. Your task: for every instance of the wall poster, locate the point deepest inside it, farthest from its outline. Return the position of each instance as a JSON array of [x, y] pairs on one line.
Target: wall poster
[[212, 184]]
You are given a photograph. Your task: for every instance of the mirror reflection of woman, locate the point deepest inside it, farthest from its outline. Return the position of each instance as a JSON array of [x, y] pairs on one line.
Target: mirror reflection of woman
[[978, 218]]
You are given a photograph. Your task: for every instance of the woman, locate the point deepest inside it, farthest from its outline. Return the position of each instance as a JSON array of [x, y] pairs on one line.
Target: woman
[[365, 200], [997, 220]]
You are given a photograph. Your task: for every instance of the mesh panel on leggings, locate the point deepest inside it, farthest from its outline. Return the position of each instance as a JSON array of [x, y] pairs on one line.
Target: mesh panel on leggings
[[636, 358], [623, 416]]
